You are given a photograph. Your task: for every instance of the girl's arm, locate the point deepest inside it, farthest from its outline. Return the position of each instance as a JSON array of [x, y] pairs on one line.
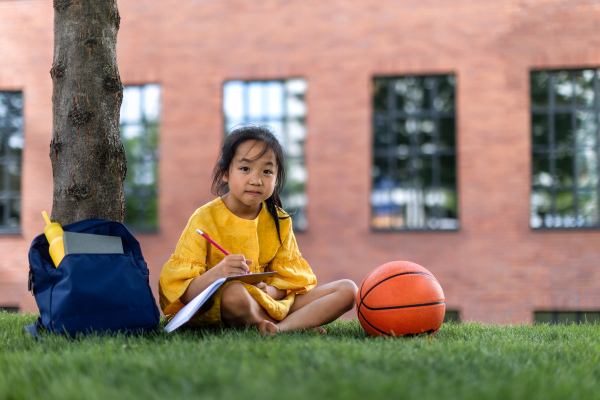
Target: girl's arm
[[276, 294], [233, 264]]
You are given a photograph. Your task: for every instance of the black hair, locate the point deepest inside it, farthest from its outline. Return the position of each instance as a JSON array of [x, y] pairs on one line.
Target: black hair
[[232, 141]]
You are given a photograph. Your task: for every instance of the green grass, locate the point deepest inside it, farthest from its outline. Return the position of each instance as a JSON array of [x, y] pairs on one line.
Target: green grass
[[463, 361]]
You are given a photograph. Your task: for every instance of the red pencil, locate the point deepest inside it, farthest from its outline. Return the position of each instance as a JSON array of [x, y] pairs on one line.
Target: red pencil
[[212, 241]]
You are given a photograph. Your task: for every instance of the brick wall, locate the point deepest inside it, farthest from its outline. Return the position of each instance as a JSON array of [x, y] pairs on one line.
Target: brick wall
[[494, 269]]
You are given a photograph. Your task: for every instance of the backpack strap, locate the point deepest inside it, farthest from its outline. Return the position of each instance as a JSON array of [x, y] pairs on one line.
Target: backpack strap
[[32, 329]]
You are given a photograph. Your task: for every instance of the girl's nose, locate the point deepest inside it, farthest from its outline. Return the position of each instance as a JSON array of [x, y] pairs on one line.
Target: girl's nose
[[255, 179]]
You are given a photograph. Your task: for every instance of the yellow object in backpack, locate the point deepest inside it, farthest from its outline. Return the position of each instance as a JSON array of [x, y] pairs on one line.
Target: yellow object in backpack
[[54, 234]]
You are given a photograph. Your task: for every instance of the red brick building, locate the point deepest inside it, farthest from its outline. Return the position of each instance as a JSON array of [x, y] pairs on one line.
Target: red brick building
[[494, 266]]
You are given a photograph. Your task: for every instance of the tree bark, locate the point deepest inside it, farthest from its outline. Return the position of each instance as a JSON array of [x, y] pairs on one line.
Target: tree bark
[[88, 158]]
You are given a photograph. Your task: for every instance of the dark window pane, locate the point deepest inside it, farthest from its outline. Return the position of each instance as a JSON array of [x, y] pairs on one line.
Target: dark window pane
[[427, 139], [444, 100], [402, 175], [567, 317], [563, 130], [14, 170], [541, 206], [380, 170], [448, 204], [540, 134], [539, 89], [452, 316], [15, 143], [584, 87], [448, 170], [294, 193], [565, 206], [425, 171], [587, 168], [586, 133], [401, 133], [447, 132], [3, 110], [587, 207], [590, 317], [383, 136], [541, 175], [563, 88], [441, 208], [544, 317], [380, 95], [411, 94], [14, 215], [564, 170]]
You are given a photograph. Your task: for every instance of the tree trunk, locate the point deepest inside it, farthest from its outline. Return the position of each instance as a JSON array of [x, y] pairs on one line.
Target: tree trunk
[[88, 159]]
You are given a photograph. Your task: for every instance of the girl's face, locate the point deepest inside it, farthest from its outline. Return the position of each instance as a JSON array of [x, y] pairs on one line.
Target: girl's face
[[251, 180]]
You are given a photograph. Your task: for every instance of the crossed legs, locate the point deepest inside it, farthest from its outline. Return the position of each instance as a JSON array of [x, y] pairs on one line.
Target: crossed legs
[[321, 305]]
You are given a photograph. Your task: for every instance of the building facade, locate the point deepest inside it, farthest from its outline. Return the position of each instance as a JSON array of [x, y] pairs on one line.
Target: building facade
[[462, 136]]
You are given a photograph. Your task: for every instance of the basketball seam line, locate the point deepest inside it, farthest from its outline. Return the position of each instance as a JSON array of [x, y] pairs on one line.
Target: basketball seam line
[[361, 288], [393, 276], [429, 332], [371, 325], [408, 306]]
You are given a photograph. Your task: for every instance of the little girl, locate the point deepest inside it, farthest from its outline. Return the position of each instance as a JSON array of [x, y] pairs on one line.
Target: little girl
[[248, 221]]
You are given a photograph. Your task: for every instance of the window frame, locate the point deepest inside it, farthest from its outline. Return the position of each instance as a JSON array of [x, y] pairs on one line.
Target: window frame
[[146, 124], [7, 195], [393, 114], [556, 318], [570, 110], [264, 119]]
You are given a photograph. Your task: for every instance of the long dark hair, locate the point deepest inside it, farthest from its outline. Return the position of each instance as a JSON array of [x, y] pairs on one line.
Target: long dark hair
[[232, 141]]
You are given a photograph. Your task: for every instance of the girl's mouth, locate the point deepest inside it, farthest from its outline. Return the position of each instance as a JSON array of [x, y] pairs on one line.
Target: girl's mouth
[[253, 193]]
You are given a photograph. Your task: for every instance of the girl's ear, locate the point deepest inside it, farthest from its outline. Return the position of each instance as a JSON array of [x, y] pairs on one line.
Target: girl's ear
[[226, 177]]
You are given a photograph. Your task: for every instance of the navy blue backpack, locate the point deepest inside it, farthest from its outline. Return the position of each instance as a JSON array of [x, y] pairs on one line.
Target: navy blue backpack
[[92, 292]]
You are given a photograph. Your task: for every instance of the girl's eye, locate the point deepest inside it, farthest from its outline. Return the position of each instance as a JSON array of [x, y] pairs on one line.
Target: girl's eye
[[268, 172], [245, 169]]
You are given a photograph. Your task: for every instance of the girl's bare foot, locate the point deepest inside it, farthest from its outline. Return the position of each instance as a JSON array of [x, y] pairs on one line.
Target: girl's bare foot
[[320, 330], [267, 328]]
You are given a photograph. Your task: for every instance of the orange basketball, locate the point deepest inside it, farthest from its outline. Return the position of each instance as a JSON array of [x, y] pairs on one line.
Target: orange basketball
[[400, 298]]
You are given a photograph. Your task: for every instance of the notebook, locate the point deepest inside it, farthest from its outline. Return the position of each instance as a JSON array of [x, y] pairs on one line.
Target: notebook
[[77, 243], [187, 312]]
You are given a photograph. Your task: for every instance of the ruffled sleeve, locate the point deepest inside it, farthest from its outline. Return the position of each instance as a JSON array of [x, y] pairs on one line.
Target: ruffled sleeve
[[293, 272], [187, 263]]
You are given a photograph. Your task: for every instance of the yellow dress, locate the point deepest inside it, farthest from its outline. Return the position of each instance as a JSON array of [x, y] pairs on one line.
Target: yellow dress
[[256, 239]]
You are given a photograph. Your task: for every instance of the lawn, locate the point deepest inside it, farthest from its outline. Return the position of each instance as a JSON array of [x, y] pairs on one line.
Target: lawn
[[463, 361]]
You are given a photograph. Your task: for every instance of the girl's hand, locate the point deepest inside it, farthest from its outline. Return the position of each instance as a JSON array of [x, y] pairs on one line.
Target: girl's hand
[[233, 264], [272, 291]]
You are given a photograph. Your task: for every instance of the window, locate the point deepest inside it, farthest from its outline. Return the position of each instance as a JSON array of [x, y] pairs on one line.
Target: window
[[140, 113], [566, 317], [280, 105], [565, 107], [452, 316], [414, 153], [12, 310], [11, 147]]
